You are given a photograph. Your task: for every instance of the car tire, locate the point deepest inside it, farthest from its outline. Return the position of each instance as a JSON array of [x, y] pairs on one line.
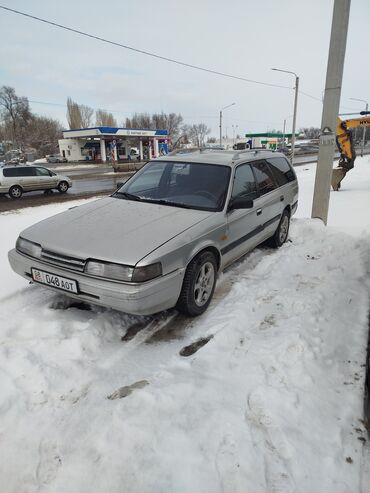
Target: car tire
[[282, 231], [15, 192], [63, 187], [198, 285]]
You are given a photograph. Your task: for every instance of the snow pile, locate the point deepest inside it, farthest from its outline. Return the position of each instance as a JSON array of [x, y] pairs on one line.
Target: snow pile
[[271, 403]]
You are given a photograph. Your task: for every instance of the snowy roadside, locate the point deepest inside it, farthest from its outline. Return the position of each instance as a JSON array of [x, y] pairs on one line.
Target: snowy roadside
[[273, 402]]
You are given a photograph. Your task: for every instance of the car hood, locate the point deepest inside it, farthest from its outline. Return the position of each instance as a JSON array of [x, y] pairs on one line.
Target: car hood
[[112, 229]]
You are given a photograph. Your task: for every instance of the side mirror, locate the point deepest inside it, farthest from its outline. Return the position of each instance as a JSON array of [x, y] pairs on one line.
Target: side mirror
[[240, 203], [119, 184]]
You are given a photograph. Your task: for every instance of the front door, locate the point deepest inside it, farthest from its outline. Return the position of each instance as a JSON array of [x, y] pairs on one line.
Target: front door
[[243, 225], [44, 179]]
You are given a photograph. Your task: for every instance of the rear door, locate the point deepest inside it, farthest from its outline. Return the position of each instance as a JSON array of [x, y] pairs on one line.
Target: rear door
[[269, 205], [26, 177], [287, 180], [243, 225]]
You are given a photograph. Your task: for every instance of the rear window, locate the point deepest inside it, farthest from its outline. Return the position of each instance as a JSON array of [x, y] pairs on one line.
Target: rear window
[[19, 171], [282, 170]]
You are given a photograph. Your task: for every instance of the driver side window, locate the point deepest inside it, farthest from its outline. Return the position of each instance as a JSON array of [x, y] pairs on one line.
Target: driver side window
[[42, 172], [244, 183]]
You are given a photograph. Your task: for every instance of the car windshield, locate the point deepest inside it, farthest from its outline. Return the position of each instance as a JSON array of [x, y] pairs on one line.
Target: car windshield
[[189, 185]]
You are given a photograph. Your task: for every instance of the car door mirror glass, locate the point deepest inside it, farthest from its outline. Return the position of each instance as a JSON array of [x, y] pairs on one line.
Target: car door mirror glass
[[241, 203]]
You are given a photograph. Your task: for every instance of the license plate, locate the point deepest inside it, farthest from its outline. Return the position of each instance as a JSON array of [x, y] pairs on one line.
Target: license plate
[[58, 282]]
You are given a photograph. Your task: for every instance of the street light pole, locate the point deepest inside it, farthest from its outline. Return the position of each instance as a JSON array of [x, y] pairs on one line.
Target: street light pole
[[224, 108], [295, 106], [364, 129]]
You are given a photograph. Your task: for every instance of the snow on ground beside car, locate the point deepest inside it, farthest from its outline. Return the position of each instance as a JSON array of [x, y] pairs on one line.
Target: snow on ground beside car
[[71, 167], [348, 209], [273, 402]]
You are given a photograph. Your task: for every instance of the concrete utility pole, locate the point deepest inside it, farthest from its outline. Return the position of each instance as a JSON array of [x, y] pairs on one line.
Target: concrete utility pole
[[333, 86]]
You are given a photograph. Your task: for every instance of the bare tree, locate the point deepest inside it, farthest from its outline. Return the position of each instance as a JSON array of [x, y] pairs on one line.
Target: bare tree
[[140, 120], [87, 114], [171, 122], [310, 132], [73, 114], [197, 133], [105, 119], [15, 113], [43, 134]]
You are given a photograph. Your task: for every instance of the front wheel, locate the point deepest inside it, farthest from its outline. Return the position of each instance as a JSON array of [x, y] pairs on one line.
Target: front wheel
[[198, 285], [63, 187], [15, 192], [281, 234]]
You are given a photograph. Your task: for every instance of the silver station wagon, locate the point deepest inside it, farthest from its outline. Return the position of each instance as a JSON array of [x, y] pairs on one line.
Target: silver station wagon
[[160, 240]]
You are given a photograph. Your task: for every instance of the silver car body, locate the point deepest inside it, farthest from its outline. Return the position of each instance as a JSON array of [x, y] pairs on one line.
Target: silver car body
[[56, 158], [140, 234], [39, 180]]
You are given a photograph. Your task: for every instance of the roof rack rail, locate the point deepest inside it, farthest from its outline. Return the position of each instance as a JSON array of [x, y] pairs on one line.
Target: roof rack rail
[[255, 151]]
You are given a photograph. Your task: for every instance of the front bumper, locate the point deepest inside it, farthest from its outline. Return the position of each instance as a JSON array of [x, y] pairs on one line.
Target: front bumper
[[145, 298]]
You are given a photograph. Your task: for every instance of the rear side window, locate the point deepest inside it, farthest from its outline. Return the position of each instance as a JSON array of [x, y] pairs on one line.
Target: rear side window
[[244, 183], [21, 171], [264, 177], [282, 170]]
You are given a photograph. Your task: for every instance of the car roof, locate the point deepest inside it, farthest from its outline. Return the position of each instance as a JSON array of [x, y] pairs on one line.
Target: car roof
[[225, 158], [21, 165]]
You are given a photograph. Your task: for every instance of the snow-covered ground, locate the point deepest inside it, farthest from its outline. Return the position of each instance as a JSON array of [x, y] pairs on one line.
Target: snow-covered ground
[[272, 403]]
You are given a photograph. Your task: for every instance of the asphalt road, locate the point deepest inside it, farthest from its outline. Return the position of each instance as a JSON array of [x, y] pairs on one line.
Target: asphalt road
[[82, 188]]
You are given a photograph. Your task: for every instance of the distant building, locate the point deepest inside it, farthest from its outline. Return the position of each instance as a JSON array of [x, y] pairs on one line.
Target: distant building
[[112, 144], [269, 140]]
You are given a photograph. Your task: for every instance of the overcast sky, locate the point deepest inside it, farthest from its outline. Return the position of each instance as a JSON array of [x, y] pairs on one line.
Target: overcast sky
[[242, 37]]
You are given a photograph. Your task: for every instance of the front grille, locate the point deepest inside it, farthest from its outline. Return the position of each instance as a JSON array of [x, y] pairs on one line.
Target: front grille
[[71, 263]]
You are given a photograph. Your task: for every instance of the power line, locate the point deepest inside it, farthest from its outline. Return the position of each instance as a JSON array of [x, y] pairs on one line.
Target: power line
[[310, 96], [143, 52], [147, 53]]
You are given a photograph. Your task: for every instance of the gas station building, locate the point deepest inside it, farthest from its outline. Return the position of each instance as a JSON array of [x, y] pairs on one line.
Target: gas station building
[[112, 144]]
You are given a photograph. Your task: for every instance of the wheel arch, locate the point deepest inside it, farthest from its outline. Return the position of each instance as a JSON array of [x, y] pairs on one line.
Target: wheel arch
[[16, 185], [204, 248]]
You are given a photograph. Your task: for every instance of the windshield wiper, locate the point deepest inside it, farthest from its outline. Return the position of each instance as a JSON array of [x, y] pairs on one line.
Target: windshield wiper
[[168, 202], [128, 196]]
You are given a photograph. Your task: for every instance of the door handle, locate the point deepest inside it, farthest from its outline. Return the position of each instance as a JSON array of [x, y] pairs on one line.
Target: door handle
[[281, 198], [259, 211]]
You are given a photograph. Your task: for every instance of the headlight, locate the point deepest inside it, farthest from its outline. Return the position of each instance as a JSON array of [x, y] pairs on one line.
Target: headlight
[[121, 272], [28, 247], [110, 271]]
